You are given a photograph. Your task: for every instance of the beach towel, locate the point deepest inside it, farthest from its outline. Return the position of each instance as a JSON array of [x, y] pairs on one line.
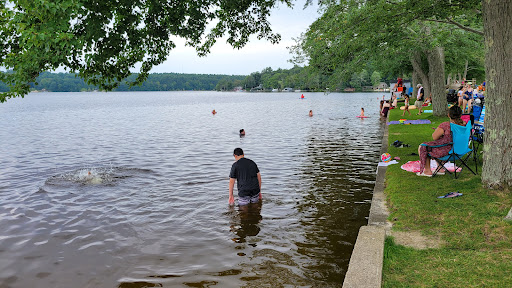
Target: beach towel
[[421, 121], [383, 164], [414, 166]]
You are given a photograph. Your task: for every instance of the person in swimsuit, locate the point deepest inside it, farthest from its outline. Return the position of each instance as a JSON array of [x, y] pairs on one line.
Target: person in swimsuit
[[406, 102], [466, 98], [385, 109]]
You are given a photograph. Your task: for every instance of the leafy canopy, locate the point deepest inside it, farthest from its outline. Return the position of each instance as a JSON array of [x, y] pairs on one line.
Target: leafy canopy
[[102, 40], [351, 33]]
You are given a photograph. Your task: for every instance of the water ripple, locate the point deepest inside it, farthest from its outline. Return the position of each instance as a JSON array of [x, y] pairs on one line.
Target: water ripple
[[130, 189]]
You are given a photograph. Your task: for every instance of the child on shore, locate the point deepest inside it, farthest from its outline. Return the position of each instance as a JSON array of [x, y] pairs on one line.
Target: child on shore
[[406, 101]]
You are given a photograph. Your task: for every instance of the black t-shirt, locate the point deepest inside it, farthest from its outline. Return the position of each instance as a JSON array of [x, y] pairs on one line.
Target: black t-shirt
[[245, 171]]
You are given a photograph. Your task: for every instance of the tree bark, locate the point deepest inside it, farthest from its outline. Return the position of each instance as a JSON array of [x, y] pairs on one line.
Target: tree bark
[[436, 74], [415, 82], [416, 65], [466, 70], [497, 167]]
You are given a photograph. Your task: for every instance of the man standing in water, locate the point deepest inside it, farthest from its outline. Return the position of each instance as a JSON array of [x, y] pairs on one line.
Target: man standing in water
[[247, 175]]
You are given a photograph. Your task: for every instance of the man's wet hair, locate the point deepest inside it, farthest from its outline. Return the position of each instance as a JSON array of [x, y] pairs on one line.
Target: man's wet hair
[[238, 152]]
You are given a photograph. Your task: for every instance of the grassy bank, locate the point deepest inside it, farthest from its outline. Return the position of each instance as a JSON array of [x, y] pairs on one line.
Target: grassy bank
[[477, 243]]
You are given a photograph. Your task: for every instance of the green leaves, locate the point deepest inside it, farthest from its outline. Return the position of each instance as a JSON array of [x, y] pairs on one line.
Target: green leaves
[[104, 40]]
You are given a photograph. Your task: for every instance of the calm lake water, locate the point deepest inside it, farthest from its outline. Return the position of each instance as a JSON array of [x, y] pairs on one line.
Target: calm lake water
[[153, 212]]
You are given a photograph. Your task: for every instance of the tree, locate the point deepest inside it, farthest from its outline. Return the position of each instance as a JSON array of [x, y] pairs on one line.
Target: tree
[[249, 82], [365, 77], [103, 40], [497, 167], [353, 33], [356, 81], [349, 30], [375, 78]]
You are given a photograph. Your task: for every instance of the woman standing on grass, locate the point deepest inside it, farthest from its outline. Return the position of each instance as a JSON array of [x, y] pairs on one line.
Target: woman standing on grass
[[441, 136]]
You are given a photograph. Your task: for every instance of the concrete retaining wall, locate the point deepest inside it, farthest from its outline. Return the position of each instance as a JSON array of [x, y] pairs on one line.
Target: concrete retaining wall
[[365, 267]]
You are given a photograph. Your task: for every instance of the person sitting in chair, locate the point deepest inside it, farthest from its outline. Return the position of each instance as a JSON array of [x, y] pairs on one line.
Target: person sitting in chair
[[441, 136]]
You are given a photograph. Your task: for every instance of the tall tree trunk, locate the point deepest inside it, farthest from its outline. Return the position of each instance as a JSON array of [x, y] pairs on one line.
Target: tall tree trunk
[[497, 168], [466, 70], [435, 59], [415, 82], [416, 65]]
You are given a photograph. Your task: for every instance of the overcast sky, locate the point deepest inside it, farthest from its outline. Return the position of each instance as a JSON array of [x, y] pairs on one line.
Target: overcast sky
[[255, 56]]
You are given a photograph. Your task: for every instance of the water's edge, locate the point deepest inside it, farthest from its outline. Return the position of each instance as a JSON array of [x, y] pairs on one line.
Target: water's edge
[[365, 266]]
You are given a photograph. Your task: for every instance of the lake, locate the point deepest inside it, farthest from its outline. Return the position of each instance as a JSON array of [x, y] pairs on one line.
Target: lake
[[130, 189]]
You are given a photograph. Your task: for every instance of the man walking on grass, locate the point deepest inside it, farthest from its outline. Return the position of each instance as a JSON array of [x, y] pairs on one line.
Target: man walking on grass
[[420, 98], [247, 175]]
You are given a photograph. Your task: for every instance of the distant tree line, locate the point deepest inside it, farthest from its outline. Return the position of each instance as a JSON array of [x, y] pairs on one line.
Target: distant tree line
[[303, 78], [68, 82]]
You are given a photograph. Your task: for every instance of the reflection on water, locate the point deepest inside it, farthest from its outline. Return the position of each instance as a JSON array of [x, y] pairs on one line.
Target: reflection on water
[[245, 222], [131, 189], [339, 175]]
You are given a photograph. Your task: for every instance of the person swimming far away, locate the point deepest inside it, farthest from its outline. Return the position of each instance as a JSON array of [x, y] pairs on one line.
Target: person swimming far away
[[310, 113], [242, 132], [302, 96], [214, 112]]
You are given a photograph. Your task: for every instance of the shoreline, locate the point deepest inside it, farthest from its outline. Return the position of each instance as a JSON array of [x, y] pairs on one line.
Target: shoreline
[[366, 261]]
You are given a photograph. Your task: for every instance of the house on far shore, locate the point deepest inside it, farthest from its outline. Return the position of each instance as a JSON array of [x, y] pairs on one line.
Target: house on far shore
[[348, 89], [383, 86], [258, 88], [288, 89]]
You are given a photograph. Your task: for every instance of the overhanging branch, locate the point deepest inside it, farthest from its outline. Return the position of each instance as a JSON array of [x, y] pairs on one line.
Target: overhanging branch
[[450, 21]]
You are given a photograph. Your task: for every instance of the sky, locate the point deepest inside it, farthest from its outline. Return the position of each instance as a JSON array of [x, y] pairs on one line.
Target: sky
[[255, 56]]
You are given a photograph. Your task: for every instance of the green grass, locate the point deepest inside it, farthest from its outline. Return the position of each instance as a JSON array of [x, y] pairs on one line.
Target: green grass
[[478, 243]]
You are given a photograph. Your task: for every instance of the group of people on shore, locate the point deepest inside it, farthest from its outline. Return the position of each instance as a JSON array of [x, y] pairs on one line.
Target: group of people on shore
[[421, 101], [467, 95], [442, 134]]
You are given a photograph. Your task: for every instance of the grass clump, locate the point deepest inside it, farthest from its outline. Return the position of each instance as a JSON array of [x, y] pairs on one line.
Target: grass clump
[[477, 250]]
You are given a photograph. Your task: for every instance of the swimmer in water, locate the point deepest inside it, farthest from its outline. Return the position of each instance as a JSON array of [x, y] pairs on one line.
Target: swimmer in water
[[362, 112], [214, 112], [242, 132], [310, 113]]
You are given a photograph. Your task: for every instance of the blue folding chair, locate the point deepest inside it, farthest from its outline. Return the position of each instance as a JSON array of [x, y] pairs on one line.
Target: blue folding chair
[[478, 130], [460, 148]]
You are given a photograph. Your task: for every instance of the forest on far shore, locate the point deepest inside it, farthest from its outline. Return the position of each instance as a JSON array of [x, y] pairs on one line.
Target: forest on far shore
[[68, 82], [303, 78]]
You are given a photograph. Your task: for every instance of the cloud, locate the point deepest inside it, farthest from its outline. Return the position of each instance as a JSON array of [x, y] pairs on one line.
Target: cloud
[[255, 56]]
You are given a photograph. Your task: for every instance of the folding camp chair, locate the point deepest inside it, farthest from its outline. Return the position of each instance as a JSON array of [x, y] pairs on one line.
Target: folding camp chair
[[478, 130], [460, 149]]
